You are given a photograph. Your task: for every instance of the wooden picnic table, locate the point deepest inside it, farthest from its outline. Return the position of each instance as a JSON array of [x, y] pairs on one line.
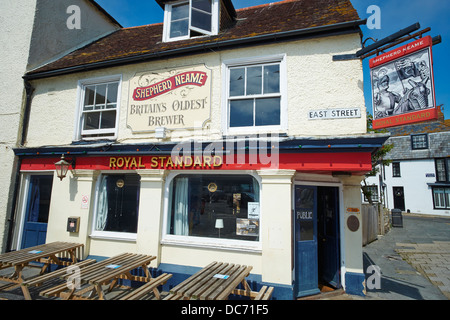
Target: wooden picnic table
[[216, 281], [45, 253], [92, 278]]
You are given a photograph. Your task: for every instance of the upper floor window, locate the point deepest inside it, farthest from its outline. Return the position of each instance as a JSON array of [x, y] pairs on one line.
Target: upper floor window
[[98, 109], [190, 18], [419, 141], [396, 169], [443, 170], [256, 99]]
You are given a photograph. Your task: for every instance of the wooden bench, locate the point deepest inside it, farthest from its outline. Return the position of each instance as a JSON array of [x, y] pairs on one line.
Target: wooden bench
[[149, 286], [265, 293], [218, 281], [173, 296], [40, 280]]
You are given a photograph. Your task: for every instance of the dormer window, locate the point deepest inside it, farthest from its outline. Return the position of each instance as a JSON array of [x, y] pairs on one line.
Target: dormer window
[[190, 18]]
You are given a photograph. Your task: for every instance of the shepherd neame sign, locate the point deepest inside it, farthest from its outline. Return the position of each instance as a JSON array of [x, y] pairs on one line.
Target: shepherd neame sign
[[174, 99]]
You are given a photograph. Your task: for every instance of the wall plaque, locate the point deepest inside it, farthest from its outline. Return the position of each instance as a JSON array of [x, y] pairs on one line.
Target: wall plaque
[[174, 99], [353, 223]]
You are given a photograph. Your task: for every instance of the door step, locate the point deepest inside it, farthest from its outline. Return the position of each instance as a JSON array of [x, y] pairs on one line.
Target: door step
[[324, 294]]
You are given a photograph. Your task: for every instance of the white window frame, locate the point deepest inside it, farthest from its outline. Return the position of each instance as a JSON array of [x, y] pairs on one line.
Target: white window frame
[[416, 145], [82, 84], [245, 62], [110, 235], [168, 18], [203, 242]]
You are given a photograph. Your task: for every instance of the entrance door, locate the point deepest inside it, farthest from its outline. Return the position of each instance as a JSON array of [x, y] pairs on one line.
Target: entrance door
[[399, 198], [328, 235], [306, 264], [36, 211]]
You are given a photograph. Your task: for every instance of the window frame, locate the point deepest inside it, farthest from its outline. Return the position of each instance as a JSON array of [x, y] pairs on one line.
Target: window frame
[[419, 135], [248, 62], [446, 201], [111, 235], [168, 20], [394, 173], [446, 169], [204, 242], [79, 133], [374, 195]]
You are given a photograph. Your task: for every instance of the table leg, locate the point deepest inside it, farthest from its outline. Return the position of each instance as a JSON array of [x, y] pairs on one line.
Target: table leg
[[98, 288], [73, 255], [113, 283]]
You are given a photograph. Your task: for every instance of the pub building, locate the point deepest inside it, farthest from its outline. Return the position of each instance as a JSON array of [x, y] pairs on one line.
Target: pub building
[[217, 135]]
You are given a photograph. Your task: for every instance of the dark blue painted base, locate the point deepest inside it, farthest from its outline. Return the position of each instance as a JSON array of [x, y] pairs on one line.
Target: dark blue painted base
[[354, 283]]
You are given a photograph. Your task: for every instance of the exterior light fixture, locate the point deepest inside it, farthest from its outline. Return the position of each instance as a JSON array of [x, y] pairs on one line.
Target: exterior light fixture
[[62, 166]]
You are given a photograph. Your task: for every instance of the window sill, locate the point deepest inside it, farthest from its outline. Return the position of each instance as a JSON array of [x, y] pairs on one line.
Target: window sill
[[116, 236], [206, 243]]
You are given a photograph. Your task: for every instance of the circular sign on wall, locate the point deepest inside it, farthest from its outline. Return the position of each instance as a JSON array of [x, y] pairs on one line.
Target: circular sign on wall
[[353, 223]]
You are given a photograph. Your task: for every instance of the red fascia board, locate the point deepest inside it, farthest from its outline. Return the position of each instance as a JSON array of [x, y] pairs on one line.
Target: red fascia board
[[356, 162]]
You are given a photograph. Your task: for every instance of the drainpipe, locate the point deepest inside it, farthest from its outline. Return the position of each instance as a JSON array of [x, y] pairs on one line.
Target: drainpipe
[[29, 90]]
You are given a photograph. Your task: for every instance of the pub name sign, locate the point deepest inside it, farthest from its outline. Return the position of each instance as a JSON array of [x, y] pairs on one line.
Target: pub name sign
[[403, 85]]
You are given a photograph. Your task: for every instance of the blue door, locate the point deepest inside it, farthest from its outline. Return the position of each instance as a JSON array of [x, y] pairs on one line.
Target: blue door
[[36, 211], [306, 261]]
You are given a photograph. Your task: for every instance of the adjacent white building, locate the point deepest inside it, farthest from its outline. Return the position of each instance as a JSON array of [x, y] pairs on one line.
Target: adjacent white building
[[418, 179]]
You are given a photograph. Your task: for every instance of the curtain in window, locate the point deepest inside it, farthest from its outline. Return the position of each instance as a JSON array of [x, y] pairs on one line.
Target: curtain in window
[[181, 206], [102, 209], [255, 190]]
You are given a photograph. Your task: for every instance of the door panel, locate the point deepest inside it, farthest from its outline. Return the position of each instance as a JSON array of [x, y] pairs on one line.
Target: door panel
[[306, 264], [399, 198], [37, 209], [328, 235]]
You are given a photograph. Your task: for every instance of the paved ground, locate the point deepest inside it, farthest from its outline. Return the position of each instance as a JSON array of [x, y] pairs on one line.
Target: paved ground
[[414, 260], [414, 263]]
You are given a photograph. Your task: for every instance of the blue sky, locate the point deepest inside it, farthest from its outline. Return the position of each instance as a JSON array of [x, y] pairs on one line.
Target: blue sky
[[395, 15]]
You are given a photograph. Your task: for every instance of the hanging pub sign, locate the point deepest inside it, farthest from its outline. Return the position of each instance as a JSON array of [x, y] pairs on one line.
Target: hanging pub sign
[[403, 85], [172, 99]]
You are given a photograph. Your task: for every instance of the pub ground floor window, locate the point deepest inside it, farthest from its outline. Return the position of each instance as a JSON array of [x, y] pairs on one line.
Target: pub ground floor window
[[117, 203], [214, 206]]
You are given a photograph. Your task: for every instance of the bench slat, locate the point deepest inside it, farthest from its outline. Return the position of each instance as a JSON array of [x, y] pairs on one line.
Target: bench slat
[[39, 279], [146, 288]]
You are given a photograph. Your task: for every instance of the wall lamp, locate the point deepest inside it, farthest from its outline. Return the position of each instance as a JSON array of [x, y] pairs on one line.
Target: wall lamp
[[62, 166]]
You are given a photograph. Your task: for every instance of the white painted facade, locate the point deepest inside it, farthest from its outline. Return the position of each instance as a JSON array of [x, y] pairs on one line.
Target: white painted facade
[[34, 32], [309, 69]]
